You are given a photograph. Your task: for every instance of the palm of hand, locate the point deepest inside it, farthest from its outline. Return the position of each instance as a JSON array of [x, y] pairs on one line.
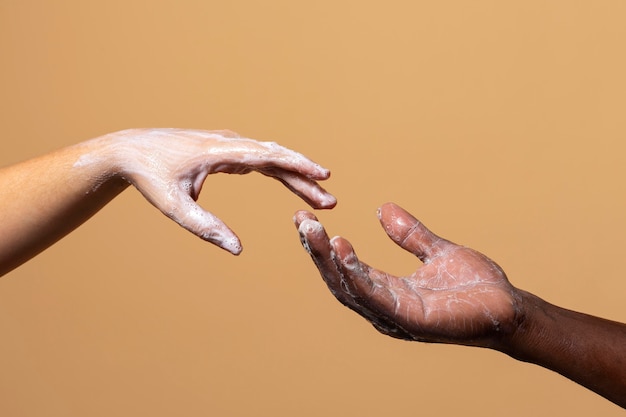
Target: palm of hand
[[457, 296]]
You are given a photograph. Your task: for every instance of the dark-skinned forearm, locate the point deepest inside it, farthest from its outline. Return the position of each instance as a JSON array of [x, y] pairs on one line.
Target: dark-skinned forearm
[[586, 349]]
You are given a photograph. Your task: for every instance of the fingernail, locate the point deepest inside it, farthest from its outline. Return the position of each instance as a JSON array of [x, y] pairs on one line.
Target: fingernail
[[325, 172], [306, 227], [329, 201], [309, 226]]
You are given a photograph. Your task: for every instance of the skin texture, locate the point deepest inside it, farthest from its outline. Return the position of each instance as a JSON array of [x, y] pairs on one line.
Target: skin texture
[[45, 198], [460, 296]]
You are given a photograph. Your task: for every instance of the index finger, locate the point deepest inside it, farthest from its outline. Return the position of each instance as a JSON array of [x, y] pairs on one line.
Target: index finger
[[316, 242], [297, 162], [257, 155]]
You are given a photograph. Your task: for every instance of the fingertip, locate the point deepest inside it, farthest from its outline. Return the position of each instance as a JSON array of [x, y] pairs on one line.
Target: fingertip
[[328, 201], [235, 252], [395, 220], [314, 170], [234, 246], [220, 235], [318, 198], [387, 206], [310, 226], [390, 211], [341, 247], [382, 213], [302, 215], [313, 236], [324, 173], [344, 255], [230, 244]]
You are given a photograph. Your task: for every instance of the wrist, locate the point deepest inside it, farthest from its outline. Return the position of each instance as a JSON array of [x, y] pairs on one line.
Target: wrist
[[523, 329], [102, 159], [542, 331]]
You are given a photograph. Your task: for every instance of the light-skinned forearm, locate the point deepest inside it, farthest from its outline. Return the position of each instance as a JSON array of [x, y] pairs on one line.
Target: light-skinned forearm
[[45, 198], [589, 350]]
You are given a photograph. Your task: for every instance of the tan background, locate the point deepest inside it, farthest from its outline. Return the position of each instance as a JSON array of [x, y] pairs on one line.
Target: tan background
[[500, 124]]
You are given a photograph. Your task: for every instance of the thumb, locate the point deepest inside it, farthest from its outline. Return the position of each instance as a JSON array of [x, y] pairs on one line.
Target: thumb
[[409, 233], [205, 225]]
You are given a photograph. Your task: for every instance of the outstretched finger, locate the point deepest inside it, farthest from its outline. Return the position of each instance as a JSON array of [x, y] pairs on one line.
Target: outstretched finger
[[356, 274], [305, 188], [291, 160], [316, 242], [242, 155], [409, 233], [302, 215]]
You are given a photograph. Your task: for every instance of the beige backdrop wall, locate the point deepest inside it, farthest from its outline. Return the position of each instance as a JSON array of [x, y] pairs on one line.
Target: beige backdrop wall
[[500, 124]]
